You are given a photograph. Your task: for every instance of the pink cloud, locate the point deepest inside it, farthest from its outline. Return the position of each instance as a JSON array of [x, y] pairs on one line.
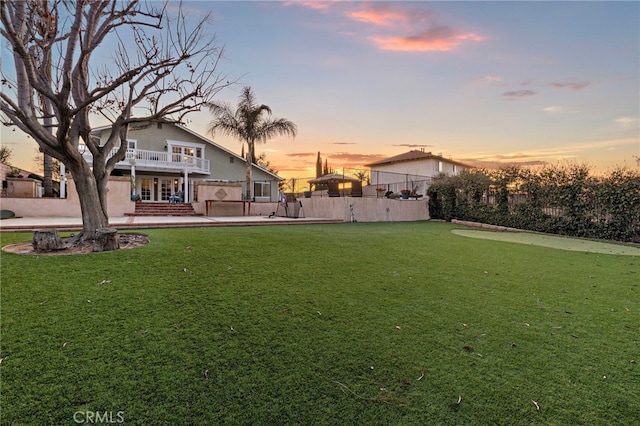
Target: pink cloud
[[315, 5], [376, 17], [440, 39], [416, 30], [383, 15], [410, 30]]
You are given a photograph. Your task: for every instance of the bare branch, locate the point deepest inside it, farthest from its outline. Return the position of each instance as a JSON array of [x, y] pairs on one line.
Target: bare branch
[[162, 67]]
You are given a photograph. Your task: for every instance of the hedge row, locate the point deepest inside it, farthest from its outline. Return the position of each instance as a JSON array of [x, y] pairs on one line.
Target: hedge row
[[566, 200]]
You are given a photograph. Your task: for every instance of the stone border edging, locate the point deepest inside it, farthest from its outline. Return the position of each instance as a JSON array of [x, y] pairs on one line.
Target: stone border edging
[[486, 226]]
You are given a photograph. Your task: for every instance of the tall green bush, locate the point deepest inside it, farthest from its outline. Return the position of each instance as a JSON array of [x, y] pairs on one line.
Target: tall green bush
[[443, 193], [566, 200], [618, 196]]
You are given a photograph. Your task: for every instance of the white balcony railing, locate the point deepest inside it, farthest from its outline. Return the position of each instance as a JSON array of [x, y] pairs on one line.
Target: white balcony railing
[[158, 160]]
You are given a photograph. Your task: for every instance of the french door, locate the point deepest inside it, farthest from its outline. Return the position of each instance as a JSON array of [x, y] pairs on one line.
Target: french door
[[158, 188], [167, 188]]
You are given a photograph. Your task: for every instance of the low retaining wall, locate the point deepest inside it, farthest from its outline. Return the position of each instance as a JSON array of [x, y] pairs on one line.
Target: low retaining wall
[[365, 209], [485, 226], [118, 202]]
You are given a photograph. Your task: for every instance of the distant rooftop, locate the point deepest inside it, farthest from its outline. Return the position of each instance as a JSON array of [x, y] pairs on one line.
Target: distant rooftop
[[414, 155]]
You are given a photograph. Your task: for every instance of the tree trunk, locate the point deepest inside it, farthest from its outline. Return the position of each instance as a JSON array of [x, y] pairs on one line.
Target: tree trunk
[[47, 183], [45, 240], [94, 213], [106, 239], [248, 174]]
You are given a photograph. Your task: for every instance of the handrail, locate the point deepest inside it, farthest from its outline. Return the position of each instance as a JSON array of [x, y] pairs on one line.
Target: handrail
[[160, 159]]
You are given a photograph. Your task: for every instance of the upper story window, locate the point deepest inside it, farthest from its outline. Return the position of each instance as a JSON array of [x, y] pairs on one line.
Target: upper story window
[[179, 150]]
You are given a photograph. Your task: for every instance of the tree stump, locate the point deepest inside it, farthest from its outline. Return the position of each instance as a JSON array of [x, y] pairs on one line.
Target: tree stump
[[107, 239], [45, 240]]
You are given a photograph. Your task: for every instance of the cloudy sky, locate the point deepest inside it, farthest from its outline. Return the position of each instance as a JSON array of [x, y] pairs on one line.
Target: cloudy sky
[[507, 81]]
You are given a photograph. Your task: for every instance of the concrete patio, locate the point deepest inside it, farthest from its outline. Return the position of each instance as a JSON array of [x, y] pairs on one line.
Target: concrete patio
[[28, 224]]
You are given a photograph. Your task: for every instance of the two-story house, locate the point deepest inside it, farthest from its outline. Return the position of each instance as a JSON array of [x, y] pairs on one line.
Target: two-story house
[[165, 158], [412, 169]]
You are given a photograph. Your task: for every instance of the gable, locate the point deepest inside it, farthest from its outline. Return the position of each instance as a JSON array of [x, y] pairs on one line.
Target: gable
[[417, 163], [158, 136]]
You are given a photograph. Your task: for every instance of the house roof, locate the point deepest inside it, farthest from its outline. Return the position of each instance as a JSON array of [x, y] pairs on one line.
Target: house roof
[[414, 155], [204, 139], [333, 177]]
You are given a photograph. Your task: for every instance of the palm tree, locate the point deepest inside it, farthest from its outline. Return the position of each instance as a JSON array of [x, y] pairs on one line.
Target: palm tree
[[249, 124]]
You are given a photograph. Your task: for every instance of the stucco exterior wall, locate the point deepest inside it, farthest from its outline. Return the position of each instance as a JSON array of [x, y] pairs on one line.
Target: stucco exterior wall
[[218, 191], [418, 167], [118, 202], [23, 187], [224, 164], [4, 170], [413, 170], [40, 207], [365, 209]]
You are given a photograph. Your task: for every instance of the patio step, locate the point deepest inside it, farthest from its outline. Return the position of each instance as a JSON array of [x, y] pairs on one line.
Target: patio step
[[163, 209]]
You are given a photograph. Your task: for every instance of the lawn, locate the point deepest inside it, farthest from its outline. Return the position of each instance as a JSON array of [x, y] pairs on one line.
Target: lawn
[[388, 323]]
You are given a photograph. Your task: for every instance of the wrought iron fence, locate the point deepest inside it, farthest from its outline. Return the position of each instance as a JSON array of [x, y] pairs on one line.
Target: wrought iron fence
[[374, 184]]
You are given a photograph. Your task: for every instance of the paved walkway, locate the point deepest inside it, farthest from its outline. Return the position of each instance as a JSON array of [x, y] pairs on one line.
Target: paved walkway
[[27, 224]]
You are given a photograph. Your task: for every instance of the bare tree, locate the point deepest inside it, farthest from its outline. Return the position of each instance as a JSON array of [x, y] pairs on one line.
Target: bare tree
[[45, 24], [162, 67]]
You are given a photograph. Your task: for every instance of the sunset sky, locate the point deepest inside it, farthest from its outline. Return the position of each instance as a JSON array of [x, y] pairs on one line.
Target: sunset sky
[[525, 82]]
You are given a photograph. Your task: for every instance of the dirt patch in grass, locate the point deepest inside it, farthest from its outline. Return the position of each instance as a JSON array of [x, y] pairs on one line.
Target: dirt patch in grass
[[127, 241], [552, 241]]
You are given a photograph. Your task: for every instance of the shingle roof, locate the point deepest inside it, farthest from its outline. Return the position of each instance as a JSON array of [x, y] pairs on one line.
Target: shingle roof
[[413, 155]]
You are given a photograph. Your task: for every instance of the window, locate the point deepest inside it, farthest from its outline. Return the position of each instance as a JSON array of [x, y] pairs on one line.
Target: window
[[131, 149], [440, 166], [180, 150], [176, 154], [231, 159], [262, 189]]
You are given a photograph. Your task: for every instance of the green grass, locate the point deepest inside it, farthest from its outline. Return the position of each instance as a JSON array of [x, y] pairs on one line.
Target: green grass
[[327, 324]]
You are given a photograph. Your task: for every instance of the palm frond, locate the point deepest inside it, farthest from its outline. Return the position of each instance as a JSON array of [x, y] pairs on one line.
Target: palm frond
[[276, 127]]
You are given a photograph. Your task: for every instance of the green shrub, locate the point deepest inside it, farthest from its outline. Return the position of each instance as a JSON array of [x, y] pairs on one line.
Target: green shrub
[[566, 200]]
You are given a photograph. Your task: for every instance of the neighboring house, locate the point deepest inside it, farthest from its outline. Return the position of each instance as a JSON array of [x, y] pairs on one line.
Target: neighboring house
[[413, 168], [164, 159], [19, 183]]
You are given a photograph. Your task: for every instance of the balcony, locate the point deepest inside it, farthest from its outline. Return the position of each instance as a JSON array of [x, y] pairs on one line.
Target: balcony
[[157, 161]]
